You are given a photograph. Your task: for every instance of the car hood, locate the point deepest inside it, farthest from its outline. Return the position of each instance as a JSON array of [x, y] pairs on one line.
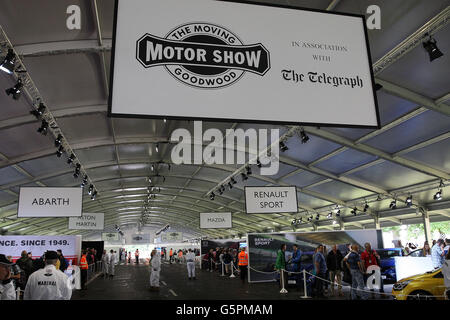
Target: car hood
[[420, 276]]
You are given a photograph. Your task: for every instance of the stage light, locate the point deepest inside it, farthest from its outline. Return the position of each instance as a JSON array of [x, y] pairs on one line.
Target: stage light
[[60, 151], [303, 136], [43, 129], [94, 194], [58, 140], [249, 170], [366, 206], [220, 191], [334, 221], [211, 196], [310, 218], [152, 167], [283, 146], [409, 201], [432, 49], [233, 181], [165, 120], [317, 216], [258, 163], [393, 204], [330, 215], [76, 174], [150, 179], [16, 90], [91, 189], [39, 112], [71, 158], [294, 222], [354, 211], [230, 185], [438, 195], [8, 63], [157, 148], [85, 181], [244, 176]]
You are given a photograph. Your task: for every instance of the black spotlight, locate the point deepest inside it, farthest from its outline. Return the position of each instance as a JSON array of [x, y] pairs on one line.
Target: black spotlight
[[85, 181], [432, 49], [338, 213], [16, 90], [43, 129], [60, 151], [353, 211], [39, 112], [303, 136], [330, 215], [8, 63], [258, 163], [244, 176], [58, 140], [71, 158], [438, 195], [249, 170], [409, 201], [310, 218], [91, 188], [94, 194], [317, 216], [230, 185], [294, 222], [211, 196], [283, 147], [393, 204], [366, 206], [220, 191], [233, 181], [76, 174]]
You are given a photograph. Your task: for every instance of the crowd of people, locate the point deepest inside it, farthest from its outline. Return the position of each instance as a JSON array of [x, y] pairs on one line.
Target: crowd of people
[[332, 267]]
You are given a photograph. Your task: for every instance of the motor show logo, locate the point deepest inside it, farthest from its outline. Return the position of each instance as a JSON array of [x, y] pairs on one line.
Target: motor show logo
[[203, 55]]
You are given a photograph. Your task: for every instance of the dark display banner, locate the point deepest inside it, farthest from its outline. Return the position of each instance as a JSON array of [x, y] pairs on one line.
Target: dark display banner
[[263, 248]]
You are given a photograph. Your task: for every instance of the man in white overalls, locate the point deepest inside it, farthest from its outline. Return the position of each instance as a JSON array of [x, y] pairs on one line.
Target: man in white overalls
[[105, 262], [155, 269], [112, 263]]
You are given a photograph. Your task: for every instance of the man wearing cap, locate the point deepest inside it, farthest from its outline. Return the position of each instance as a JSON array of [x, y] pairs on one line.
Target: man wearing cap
[[7, 291], [48, 283]]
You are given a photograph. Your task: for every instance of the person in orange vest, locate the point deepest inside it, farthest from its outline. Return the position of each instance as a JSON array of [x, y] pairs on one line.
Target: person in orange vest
[[243, 264], [170, 255], [83, 269]]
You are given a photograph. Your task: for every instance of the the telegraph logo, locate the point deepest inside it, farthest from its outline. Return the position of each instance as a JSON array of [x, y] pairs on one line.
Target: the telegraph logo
[[203, 55]]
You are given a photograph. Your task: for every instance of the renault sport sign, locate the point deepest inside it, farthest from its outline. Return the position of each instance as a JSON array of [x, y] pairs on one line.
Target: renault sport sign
[[208, 59]]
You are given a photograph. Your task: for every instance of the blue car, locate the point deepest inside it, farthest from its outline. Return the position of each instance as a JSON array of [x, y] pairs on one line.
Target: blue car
[[387, 262]]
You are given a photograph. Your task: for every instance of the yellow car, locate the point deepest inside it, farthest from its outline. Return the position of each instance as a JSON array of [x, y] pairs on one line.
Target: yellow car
[[427, 286]]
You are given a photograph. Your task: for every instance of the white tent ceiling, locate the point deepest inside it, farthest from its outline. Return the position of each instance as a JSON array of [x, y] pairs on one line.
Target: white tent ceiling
[[410, 154]]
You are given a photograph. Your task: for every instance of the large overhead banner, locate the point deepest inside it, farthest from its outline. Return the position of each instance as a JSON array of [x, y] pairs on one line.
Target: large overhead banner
[[110, 236], [215, 220], [50, 202], [88, 221], [38, 245], [263, 248], [140, 238], [206, 59], [270, 199], [172, 237]]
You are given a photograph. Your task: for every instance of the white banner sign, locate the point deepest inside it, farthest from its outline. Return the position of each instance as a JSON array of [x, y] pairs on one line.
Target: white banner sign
[[88, 221], [140, 238], [50, 202], [271, 199], [218, 58], [38, 245], [110, 236], [172, 237], [215, 220]]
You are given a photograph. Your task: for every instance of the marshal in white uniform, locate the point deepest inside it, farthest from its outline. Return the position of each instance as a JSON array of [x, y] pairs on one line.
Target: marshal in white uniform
[[112, 264], [155, 270], [48, 284], [190, 259], [105, 262]]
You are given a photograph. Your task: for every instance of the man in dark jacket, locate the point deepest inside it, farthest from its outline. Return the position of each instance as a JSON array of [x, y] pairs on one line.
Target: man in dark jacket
[[334, 260], [26, 265]]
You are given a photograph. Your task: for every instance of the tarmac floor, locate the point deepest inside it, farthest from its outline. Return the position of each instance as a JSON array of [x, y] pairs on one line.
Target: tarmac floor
[[132, 282]]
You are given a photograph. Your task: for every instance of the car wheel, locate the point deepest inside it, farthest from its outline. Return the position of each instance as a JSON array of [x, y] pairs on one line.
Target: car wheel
[[420, 295]]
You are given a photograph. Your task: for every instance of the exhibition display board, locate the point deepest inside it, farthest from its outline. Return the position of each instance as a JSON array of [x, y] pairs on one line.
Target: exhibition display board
[[140, 238], [171, 237], [87, 221], [110, 236], [216, 220], [263, 248], [215, 64], [38, 245], [49, 202], [271, 199]]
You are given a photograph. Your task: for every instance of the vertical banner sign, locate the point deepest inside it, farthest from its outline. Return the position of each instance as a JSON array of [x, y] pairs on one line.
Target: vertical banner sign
[[271, 199], [218, 57], [216, 220], [110, 236], [88, 221], [50, 202]]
